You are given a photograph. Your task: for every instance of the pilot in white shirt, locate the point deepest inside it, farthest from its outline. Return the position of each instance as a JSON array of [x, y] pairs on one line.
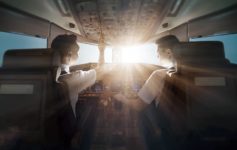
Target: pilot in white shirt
[[153, 87], [150, 94], [77, 81]]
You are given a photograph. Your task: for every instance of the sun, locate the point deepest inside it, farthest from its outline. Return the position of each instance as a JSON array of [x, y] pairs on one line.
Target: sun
[[131, 54]]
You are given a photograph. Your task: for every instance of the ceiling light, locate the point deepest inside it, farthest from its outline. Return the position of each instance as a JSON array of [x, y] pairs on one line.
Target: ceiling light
[[175, 8], [62, 7]]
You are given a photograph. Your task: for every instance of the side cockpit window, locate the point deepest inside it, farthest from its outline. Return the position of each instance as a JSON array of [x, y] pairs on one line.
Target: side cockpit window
[[230, 45], [18, 41]]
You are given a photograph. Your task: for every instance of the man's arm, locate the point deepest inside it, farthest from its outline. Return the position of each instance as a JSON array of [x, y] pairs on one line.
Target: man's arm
[[149, 91], [86, 79]]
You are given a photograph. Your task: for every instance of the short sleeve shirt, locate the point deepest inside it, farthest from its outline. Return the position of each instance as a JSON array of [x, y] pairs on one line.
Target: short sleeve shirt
[[153, 87], [76, 82]]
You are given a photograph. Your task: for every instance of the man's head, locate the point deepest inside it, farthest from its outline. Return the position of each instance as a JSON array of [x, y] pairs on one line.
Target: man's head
[[67, 47], [165, 50]]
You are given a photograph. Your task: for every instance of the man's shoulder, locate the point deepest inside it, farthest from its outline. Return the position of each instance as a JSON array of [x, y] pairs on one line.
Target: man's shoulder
[[64, 77], [70, 75], [160, 72]]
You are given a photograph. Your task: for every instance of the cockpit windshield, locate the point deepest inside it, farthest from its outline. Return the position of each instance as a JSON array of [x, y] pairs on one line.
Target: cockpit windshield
[[145, 53]]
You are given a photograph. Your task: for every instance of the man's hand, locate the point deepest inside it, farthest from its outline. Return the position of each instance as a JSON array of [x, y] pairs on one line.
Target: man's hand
[[99, 72], [120, 97]]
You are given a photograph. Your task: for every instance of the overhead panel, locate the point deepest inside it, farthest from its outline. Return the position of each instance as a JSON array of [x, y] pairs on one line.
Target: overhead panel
[[120, 21], [89, 19]]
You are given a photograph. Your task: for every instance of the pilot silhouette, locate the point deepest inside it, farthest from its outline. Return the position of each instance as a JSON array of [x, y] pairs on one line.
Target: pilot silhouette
[[149, 95], [76, 81], [67, 48]]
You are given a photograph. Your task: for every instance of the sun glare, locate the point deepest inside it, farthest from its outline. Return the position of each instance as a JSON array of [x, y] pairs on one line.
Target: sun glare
[[130, 54], [138, 54]]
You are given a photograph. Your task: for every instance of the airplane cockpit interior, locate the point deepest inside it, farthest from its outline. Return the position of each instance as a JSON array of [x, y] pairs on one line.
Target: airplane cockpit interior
[[124, 90]]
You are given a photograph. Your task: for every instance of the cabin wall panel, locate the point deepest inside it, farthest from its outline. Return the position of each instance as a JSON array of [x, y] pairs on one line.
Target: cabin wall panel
[[20, 22], [54, 31], [181, 32], [222, 22]]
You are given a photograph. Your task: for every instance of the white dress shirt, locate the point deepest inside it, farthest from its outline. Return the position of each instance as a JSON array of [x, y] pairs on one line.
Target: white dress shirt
[[153, 87], [76, 82]]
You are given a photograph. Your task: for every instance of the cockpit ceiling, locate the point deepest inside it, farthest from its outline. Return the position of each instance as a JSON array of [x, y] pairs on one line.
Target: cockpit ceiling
[[120, 21]]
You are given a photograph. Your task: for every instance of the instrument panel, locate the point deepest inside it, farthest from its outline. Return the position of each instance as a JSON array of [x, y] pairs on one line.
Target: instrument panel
[[125, 78], [115, 125]]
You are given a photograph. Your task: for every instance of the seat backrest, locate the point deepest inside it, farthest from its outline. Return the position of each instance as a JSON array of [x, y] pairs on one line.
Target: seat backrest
[[30, 59], [209, 82], [27, 94], [198, 103]]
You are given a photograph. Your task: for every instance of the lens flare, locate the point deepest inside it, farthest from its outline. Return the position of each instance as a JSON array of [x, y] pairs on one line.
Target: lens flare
[[139, 54]]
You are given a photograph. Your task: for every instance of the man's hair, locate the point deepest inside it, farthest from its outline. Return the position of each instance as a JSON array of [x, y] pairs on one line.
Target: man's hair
[[167, 41], [64, 43]]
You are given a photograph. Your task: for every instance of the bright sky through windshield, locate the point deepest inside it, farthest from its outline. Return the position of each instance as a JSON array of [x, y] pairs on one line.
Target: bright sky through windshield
[[139, 54], [135, 54]]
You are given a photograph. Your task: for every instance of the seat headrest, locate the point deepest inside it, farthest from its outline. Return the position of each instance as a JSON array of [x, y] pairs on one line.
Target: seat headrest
[[30, 58], [200, 51]]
